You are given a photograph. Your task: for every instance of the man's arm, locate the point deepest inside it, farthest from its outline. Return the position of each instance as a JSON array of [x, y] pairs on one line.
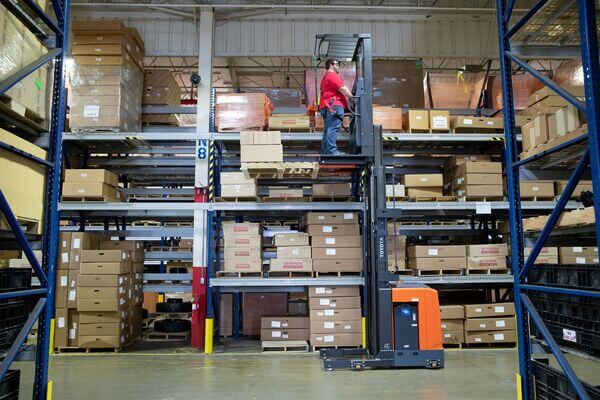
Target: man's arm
[[346, 92]]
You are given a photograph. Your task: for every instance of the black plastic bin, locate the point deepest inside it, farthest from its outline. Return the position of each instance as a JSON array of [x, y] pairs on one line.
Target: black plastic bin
[[575, 276], [552, 384], [9, 387], [15, 279]]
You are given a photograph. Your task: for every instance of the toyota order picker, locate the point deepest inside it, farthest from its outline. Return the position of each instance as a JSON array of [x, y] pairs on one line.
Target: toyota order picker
[[403, 319]]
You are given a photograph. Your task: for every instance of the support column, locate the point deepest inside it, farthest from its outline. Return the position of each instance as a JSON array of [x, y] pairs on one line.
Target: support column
[[202, 322]]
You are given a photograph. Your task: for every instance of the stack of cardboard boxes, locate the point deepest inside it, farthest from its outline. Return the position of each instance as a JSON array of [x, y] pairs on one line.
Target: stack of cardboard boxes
[[106, 78], [236, 184], [284, 328], [476, 178], [548, 255], [396, 248], [335, 316], [453, 324], [490, 323], [424, 185], [242, 247], [242, 111], [257, 146], [293, 253], [437, 258], [578, 255], [91, 184], [336, 241], [427, 121], [161, 89], [486, 256]]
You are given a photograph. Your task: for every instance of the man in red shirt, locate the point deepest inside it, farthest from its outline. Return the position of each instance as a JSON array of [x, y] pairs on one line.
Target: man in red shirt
[[334, 96]]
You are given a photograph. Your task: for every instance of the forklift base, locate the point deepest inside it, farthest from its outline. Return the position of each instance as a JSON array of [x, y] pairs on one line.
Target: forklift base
[[340, 359]]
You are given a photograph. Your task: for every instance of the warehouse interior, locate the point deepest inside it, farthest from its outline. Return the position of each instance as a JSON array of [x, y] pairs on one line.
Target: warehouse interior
[[175, 221]]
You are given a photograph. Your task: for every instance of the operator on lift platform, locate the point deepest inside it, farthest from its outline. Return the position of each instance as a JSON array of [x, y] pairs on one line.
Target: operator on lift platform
[[334, 97]]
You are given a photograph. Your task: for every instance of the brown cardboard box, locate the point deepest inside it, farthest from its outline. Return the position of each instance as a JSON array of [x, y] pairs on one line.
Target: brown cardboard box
[[99, 342], [245, 228], [63, 250], [247, 190], [568, 119], [490, 324], [423, 180], [535, 132], [231, 253], [397, 190], [101, 280], [537, 188], [102, 317], [100, 304], [344, 253], [337, 265], [332, 189], [481, 250], [491, 337], [93, 256], [150, 300], [294, 252], [284, 334], [91, 175], [478, 167], [439, 120], [73, 328], [285, 193], [336, 241], [235, 178], [101, 292], [544, 92], [261, 153], [336, 339], [453, 325], [90, 190], [582, 186], [486, 262], [72, 289], [135, 248], [489, 310], [425, 192], [417, 119], [285, 265], [578, 260], [242, 240], [333, 230], [490, 123], [331, 218], [62, 288], [578, 251], [257, 305], [61, 333], [291, 239], [477, 179], [242, 265], [463, 122], [267, 137], [337, 314], [333, 291], [325, 327], [431, 263], [284, 321], [102, 329], [546, 251], [436, 251], [452, 312], [454, 161], [325, 303], [105, 268], [453, 337], [480, 191]]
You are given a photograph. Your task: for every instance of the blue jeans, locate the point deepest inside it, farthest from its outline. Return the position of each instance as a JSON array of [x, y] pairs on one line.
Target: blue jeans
[[331, 126]]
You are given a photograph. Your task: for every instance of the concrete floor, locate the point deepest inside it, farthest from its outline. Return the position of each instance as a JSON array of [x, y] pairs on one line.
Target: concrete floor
[[177, 375]]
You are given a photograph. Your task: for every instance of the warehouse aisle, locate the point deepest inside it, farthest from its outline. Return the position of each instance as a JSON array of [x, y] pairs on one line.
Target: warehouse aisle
[[469, 375]]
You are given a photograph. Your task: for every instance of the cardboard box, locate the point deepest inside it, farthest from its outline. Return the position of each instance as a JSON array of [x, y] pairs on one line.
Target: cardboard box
[[284, 321], [578, 260], [91, 175], [568, 119], [333, 253], [425, 192], [294, 252], [491, 337], [477, 179], [337, 265], [291, 265], [336, 241], [455, 161], [101, 304], [582, 186], [396, 190], [337, 314], [106, 268], [544, 92], [390, 118], [61, 333], [453, 337], [231, 253], [284, 334], [480, 191], [289, 121], [438, 263], [257, 305], [486, 262], [237, 265], [578, 251], [463, 122], [62, 287], [489, 123], [285, 193], [332, 189], [546, 251], [228, 191], [452, 312], [112, 280], [336, 339], [290, 239], [102, 329], [333, 230], [439, 120], [261, 153], [537, 188], [100, 342], [72, 289], [90, 190], [537, 132], [235, 178], [245, 228], [453, 325], [333, 291], [93, 256], [423, 180], [489, 310], [326, 327], [73, 328], [326, 303], [267, 137], [481, 250], [490, 324], [478, 167], [331, 218], [242, 240], [91, 292], [437, 251], [102, 317], [417, 120]]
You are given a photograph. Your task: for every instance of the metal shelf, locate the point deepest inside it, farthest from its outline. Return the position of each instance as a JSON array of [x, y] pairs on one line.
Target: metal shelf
[[167, 288], [460, 279], [434, 207], [168, 256], [283, 282], [137, 231]]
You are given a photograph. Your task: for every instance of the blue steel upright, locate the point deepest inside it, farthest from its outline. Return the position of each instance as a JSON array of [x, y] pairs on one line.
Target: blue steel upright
[[591, 156]]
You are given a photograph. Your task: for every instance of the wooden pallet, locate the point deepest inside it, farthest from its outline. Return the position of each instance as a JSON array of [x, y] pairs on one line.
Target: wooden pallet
[[21, 109], [539, 198], [488, 271], [161, 315], [331, 199], [252, 199], [153, 336], [285, 346], [478, 130], [480, 198], [230, 274], [146, 223], [99, 199], [405, 272], [429, 272], [266, 170], [174, 270], [286, 199], [489, 345], [169, 248], [434, 198], [179, 223], [63, 350], [453, 345], [148, 322], [317, 348], [300, 170], [318, 274], [289, 274], [29, 225], [242, 129]]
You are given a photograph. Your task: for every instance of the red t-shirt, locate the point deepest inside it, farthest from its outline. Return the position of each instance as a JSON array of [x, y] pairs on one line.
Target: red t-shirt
[[330, 88]]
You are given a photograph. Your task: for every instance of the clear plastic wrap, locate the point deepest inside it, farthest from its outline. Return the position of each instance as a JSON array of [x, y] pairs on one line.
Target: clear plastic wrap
[[19, 48], [281, 97], [397, 83], [242, 111]]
